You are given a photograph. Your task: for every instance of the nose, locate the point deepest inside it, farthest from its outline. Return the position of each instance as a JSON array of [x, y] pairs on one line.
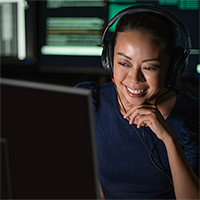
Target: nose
[[136, 76]]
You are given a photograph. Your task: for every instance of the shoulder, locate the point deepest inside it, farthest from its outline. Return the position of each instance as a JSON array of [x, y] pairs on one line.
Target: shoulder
[[100, 92], [189, 110], [86, 85], [187, 98], [94, 86], [186, 104], [189, 133]]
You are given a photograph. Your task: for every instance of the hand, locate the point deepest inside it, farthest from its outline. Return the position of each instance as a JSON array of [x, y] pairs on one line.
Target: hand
[[151, 116]]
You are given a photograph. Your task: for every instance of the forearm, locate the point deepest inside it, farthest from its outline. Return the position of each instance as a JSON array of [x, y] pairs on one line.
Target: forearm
[[186, 183], [101, 191]]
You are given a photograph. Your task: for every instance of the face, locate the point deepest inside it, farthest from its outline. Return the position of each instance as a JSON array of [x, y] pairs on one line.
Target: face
[[140, 67]]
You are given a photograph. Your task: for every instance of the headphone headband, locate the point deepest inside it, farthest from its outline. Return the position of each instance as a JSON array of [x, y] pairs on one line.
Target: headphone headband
[[152, 9], [180, 57]]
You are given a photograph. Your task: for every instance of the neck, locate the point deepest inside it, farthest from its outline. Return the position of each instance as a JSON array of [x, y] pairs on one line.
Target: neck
[[165, 103]]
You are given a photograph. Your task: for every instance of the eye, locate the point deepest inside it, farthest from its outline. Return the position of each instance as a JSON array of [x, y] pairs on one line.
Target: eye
[[151, 68], [123, 64]]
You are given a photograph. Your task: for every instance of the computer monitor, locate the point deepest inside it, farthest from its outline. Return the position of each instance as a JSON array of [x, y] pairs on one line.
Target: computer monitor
[[18, 34], [47, 142]]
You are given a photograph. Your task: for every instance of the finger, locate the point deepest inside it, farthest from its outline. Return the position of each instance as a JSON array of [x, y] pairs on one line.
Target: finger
[[145, 119], [138, 113], [131, 111], [151, 121], [128, 104], [131, 116]]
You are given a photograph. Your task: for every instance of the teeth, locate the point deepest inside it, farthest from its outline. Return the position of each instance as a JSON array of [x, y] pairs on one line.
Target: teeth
[[135, 91]]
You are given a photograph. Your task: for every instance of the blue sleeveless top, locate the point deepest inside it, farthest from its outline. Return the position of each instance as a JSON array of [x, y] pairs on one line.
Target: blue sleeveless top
[[125, 168]]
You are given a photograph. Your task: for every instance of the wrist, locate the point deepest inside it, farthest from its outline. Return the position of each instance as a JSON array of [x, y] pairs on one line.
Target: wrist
[[170, 140]]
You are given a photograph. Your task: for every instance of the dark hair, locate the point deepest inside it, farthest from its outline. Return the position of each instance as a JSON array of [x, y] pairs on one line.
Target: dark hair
[[158, 26]]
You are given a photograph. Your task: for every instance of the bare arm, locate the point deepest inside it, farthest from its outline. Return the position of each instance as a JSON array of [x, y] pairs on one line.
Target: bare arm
[[186, 184], [101, 191]]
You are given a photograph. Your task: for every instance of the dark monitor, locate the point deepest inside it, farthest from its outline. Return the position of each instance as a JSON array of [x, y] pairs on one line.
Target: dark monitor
[[71, 31], [47, 142]]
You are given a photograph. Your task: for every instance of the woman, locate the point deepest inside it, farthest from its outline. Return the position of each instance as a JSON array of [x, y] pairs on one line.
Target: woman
[[139, 104]]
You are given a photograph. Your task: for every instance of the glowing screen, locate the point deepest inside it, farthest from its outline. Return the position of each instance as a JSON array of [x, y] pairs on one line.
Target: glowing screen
[[182, 4], [12, 28]]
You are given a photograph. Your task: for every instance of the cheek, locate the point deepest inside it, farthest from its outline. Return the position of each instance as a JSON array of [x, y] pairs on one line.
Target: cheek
[[155, 81], [118, 74]]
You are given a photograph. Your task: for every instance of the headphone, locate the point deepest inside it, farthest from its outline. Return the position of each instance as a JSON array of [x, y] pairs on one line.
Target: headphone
[[180, 59]]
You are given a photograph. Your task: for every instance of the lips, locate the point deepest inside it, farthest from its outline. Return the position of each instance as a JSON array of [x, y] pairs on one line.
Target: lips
[[135, 92]]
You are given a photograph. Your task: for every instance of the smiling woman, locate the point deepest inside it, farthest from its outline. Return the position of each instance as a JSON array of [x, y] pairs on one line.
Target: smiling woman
[[140, 110], [140, 64]]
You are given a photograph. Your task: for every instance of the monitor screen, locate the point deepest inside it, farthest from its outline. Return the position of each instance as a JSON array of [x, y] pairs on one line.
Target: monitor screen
[[18, 36], [71, 31], [48, 146]]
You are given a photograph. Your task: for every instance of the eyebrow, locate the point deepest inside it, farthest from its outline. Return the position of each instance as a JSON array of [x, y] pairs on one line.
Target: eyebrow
[[121, 54], [152, 59], [147, 60]]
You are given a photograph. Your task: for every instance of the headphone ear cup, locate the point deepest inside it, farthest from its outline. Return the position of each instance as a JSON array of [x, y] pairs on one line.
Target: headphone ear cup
[[177, 65], [107, 56]]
